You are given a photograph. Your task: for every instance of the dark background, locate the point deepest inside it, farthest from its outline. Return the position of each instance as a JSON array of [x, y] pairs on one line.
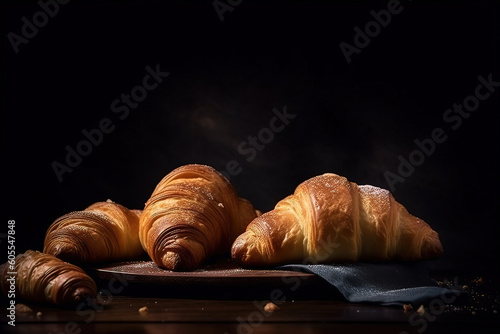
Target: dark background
[[225, 79]]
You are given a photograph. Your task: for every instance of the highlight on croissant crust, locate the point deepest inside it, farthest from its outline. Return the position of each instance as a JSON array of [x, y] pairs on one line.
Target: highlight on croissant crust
[[329, 219], [42, 277], [105, 231], [193, 214]]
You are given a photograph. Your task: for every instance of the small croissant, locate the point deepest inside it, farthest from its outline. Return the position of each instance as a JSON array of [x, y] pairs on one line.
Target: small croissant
[[329, 219], [42, 277], [105, 231], [193, 214]]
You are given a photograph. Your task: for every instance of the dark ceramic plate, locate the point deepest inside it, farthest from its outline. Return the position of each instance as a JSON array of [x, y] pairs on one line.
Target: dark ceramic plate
[[222, 272]]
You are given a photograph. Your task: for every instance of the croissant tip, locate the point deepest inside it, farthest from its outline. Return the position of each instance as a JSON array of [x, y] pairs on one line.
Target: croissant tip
[[172, 261], [81, 294], [238, 252], [432, 247]]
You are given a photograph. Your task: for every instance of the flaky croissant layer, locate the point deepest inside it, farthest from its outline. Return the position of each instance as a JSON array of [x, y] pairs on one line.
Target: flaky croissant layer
[[329, 219], [42, 277], [193, 214], [105, 231]]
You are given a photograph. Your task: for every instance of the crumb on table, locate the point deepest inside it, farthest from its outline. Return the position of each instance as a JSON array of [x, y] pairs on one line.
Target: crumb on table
[[271, 307], [407, 307]]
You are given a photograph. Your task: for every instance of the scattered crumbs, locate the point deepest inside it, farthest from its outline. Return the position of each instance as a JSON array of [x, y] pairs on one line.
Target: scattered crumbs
[[23, 308], [143, 310], [407, 307], [271, 307], [202, 309], [39, 314], [130, 304], [221, 205], [483, 296], [357, 311], [421, 310], [156, 302]]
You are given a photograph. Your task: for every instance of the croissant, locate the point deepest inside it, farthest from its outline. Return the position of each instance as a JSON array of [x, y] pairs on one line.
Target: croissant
[[42, 277], [104, 231], [329, 219], [193, 214]]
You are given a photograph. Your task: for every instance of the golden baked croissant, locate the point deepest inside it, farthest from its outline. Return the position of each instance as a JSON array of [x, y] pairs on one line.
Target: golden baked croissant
[[329, 219], [104, 231], [193, 214], [42, 277]]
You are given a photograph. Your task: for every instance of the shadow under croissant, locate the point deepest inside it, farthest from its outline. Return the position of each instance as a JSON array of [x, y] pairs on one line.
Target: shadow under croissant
[[318, 290]]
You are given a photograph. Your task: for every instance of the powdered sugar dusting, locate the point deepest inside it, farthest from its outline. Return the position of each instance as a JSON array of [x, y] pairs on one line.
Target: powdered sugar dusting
[[374, 191]]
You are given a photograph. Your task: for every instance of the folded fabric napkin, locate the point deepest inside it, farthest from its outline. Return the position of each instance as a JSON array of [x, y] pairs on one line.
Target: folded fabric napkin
[[382, 283]]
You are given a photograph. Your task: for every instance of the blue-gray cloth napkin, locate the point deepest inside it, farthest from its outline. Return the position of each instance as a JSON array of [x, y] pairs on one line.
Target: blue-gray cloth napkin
[[382, 283]]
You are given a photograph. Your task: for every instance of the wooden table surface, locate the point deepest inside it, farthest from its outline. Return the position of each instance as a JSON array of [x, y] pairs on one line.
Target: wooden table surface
[[314, 309]]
